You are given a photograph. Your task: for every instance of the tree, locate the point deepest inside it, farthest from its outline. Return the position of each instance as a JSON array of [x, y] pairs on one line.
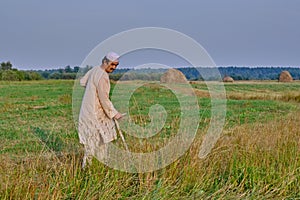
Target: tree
[[6, 66], [10, 75], [33, 76], [68, 76], [76, 69], [55, 76], [68, 69]]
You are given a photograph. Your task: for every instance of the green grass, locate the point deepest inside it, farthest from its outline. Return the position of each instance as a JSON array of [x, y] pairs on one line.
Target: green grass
[[28, 106], [262, 86], [257, 156]]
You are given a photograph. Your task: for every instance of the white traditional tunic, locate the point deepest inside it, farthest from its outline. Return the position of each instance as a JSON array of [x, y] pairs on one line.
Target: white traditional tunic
[[96, 127]]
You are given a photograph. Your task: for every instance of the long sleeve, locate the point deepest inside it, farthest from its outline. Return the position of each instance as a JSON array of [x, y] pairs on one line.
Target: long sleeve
[[103, 89], [85, 78]]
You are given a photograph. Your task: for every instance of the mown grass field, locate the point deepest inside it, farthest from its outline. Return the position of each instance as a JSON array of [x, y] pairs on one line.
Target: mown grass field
[[256, 157]]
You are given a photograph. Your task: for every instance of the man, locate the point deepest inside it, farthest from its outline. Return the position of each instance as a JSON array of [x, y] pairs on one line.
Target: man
[[96, 127]]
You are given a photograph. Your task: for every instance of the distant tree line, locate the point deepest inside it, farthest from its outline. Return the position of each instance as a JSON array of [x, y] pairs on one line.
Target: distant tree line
[[241, 73], [61, 73], [8, 73], [191, 73], [146, 74]]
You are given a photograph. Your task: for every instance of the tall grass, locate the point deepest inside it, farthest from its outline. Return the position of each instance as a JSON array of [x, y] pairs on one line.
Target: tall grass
[[252, 160]]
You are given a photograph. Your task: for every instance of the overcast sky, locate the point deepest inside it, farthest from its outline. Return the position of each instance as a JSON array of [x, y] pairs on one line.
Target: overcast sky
[[38, 34]]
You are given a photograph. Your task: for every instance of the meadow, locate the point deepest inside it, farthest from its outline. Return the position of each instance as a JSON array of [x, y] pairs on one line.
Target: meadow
[[256, 157]]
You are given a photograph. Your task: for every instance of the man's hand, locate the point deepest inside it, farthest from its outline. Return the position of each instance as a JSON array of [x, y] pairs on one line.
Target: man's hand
[[118, 116]]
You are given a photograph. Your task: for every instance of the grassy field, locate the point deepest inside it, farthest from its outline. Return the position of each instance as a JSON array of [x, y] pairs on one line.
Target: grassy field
[[256, 157]]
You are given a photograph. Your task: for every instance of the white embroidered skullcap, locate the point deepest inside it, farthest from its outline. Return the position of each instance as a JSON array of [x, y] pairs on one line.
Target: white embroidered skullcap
[[112, 56]]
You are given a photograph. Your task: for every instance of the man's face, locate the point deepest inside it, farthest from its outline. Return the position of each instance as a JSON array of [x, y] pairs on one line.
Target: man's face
[[111, 66]]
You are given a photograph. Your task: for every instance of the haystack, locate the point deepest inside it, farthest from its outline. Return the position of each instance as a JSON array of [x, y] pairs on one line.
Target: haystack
[[173, 76], [228, 79], [285, 76]]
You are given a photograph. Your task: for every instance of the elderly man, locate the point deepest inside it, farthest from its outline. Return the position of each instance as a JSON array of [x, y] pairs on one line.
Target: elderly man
[[96, 125]]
